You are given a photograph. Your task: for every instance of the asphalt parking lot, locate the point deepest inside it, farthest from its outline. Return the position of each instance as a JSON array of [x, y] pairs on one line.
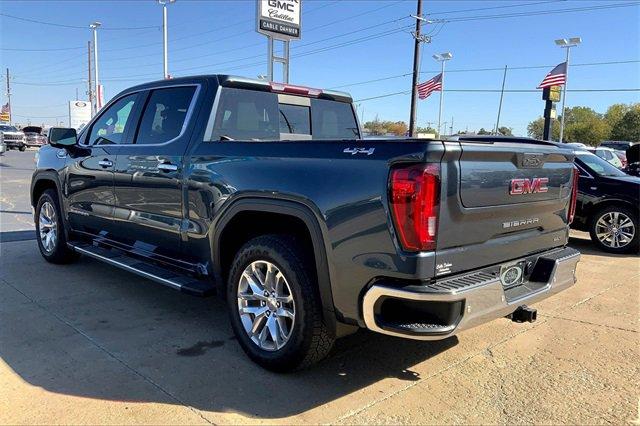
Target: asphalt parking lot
[[87, 343]]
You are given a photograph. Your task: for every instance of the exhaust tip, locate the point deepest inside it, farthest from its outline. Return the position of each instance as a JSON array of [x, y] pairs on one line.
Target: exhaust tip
[[524, 314]]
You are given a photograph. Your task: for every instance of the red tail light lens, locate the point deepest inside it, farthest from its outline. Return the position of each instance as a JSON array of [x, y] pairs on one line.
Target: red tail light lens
[[414, 198], [574, 194]]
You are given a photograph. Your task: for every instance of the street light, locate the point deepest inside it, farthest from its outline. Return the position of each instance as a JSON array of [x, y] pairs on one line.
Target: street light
[[442, 58], [164, 34], [94, 26], [566, 44]]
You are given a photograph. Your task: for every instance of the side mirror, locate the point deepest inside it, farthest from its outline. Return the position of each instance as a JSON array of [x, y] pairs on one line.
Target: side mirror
[[62, 137]]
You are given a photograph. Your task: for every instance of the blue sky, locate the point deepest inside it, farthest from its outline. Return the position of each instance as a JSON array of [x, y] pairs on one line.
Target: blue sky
[[369, 38]]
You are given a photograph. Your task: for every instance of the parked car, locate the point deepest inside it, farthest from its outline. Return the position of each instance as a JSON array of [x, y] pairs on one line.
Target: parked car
[[3, 147], [266, 193], [34, 136], [13, 138], [633, 160], [620, 145], [622, 156], [607, 154], [608, 204]]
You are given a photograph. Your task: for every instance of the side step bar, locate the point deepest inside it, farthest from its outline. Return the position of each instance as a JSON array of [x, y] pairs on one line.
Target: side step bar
[[175, 280]]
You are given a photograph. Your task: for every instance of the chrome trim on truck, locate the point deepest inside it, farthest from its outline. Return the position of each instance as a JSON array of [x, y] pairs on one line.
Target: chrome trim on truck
[[481, 303]]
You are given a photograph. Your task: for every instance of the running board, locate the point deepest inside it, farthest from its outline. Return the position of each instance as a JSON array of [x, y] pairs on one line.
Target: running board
[[175, 280]]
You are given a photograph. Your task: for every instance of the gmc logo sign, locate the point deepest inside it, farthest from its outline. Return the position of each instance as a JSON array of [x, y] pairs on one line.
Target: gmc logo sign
[[528, 186]]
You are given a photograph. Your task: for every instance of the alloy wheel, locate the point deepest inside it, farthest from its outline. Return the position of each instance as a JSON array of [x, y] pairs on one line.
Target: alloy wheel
[[615, 229], [48, 227], [266, 306]]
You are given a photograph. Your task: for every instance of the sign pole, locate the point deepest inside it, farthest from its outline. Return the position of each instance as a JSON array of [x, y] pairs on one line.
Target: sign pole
[[564, 96], [504, 79], [270, 57], [285, 63], [9, 97]]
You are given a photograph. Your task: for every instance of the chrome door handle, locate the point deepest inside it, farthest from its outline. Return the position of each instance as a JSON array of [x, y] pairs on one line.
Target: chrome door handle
[[167, 167], [105, 163]]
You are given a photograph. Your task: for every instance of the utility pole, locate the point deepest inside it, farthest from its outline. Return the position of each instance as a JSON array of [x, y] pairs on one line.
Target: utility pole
[[504, 78], [451, 128], [94, 26], [90, 91], [416, 71], [9, 97], [165, 38]]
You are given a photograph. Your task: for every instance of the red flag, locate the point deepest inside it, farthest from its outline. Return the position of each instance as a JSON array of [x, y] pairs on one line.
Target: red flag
[[557, 76], [433, 85]]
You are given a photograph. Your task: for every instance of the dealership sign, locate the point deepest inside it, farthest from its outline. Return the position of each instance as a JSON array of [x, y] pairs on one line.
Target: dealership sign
[[279, 19], [79, 114]]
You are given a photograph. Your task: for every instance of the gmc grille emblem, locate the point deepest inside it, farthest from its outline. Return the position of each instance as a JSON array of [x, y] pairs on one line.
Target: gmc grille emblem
[[528, 186]]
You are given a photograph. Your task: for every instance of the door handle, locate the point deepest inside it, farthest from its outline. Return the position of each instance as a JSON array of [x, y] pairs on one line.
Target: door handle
[[105, 163], [167, 167]]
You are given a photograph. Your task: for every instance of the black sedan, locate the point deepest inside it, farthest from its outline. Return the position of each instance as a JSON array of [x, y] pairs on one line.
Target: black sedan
[[607, 204]]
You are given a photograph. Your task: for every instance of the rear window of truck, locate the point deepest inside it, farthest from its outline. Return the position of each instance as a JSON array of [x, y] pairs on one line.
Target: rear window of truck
[[249, 115]]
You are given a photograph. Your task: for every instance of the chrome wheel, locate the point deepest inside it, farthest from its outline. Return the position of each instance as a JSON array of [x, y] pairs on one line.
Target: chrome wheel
[[615, 229], [265, 305], [48, 226]]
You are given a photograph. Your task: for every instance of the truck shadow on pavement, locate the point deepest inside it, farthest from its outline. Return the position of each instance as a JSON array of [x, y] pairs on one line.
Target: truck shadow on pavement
[[90, 330]]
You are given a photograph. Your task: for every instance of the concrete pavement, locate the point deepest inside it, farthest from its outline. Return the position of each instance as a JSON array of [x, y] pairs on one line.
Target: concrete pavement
[[15, 181], [87, 343]]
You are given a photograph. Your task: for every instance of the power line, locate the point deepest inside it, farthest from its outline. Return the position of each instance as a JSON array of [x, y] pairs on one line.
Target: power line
[[55, 24], [407, 92]]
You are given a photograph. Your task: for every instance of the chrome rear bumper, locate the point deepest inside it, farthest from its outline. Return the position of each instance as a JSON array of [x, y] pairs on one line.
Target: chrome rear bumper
[[478, 297]]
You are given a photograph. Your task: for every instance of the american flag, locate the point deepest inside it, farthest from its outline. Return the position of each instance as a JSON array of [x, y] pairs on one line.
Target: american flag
[[6, 109], [433, 85], [557, 76]]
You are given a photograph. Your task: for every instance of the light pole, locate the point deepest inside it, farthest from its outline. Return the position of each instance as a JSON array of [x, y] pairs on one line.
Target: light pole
[[94, 26], [442, 58], [164, 35], [566, 44]]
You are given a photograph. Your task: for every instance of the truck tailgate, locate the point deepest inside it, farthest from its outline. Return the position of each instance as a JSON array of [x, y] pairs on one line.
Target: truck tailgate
[[501, 201]]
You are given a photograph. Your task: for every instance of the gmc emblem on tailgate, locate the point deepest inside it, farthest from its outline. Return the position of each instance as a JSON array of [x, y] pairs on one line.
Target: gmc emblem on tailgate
[[528, 186]]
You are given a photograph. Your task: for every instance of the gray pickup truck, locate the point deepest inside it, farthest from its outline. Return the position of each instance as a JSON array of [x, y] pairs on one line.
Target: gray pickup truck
[[267, 194]]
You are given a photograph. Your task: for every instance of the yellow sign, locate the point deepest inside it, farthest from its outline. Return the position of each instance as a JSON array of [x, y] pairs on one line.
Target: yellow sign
[[4, 116], [554, 93]]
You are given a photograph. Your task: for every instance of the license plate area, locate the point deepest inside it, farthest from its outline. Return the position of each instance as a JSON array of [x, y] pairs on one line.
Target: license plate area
[[512, 275]]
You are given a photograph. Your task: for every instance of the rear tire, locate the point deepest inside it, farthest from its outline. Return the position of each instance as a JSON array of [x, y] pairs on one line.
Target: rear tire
[[50, 232], [292, 312], [22, 148], [614, 229]]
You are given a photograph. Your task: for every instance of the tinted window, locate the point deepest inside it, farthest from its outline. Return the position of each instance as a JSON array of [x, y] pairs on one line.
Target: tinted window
[[598, 166], [164, 115], [8, 129], [110, 126], [295, 119], [333, 120], [246, 115]]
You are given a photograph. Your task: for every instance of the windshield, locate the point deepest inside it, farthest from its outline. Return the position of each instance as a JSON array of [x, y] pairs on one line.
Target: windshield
[[8, 129], [597, 165]]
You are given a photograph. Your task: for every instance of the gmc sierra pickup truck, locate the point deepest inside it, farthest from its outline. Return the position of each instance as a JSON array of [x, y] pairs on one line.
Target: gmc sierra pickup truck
[[267, 194]]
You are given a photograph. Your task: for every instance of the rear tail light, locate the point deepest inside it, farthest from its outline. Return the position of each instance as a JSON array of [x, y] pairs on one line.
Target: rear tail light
[[574, 194], [414, 195]]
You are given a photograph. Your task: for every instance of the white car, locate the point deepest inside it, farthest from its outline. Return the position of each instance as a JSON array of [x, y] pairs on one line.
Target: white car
[[608, 155], [3, 147]]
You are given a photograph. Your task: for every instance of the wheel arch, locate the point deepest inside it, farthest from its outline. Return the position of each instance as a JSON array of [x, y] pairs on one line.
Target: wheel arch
[[300, 215], [607, 202], [41, 182]]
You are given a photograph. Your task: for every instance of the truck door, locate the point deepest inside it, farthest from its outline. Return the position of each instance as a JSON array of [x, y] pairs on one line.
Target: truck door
[[148, 174], [89, 186]]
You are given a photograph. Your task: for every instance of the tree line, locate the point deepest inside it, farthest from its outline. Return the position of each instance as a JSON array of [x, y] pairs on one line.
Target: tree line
[[621, 122]]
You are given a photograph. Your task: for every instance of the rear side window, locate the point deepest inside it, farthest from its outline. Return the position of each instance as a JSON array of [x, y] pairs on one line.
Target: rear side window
[[246, 115], [164, 115], [333, 120]]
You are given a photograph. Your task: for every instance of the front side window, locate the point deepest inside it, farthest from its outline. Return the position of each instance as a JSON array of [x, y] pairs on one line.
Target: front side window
[[164, 115], [246, 115], [110, 126]]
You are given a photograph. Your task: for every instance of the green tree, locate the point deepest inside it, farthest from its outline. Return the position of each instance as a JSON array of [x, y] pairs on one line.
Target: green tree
[[628, 128], [535, 129], [427, 129], [399, 128], [505, 131], [482, 131], [582, 124], [615, 113]]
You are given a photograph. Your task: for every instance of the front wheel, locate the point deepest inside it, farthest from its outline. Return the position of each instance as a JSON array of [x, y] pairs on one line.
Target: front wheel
[[50, 233], [274, 305], [22, 148], [615, 229]]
